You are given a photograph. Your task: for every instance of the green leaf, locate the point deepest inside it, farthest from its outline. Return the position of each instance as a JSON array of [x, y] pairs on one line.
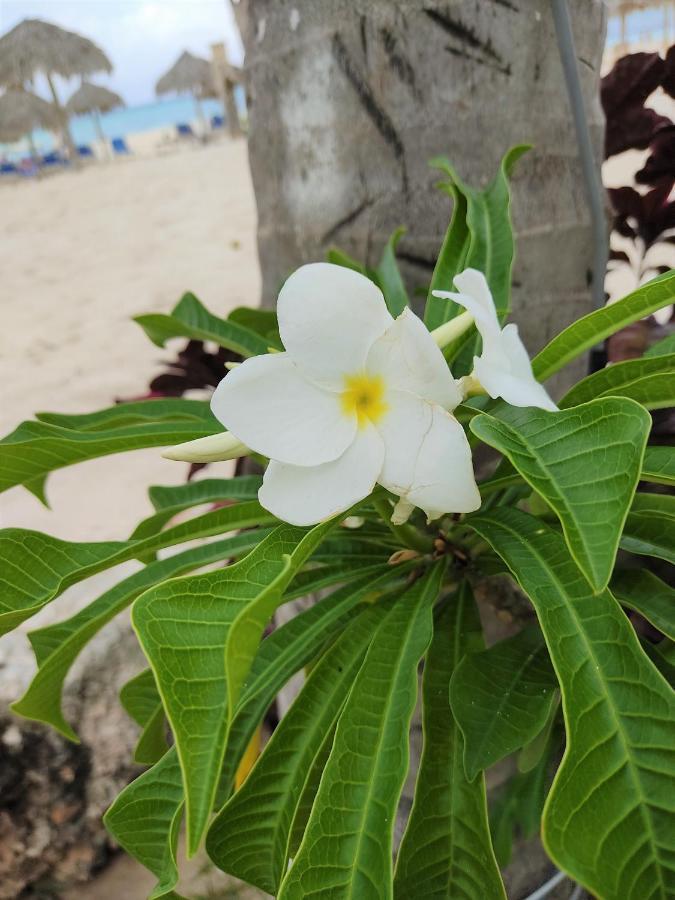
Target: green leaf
[[185, 627], [140, 698], [608, 817], [650, 527], [641, 590], [502, 698], [189, 319], [38, 567], [650, 381], [36, 448], [664, 347], [584, 462], [291, 647], [169, 501], [600, 324], [263, 321], [479, 236], [446, 850], [340, 258], [389, 277], [57, 646], [347, 847], [250, 836], [658, 466], [145, 820]]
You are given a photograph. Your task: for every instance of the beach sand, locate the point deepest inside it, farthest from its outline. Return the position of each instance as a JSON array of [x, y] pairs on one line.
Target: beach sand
[[81, 253]]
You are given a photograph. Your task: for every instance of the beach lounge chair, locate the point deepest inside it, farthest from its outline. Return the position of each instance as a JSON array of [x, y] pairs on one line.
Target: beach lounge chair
[[8, 168], [217, 121], [54, 158], [184, 130], [119, 146], [85, 150]]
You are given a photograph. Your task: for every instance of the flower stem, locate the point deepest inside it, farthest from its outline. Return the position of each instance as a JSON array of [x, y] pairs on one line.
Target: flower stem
[[408, 535], [450, 331]]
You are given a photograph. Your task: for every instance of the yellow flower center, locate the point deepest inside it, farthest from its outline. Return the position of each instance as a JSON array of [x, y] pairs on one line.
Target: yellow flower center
[[364, 395]]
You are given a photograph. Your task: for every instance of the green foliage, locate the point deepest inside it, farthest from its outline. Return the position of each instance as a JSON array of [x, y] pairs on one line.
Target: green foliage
[[315, 816], [192, 320], [588, 331], [502, 698], [347, 846], [446, 850], [584, 462], [36, 448], [614, 781]]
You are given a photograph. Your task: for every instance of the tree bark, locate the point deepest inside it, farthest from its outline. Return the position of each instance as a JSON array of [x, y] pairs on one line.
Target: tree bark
[[350, 99]]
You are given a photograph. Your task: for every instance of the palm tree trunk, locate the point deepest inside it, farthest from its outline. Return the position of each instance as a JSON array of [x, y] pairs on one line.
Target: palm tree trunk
[[63, 122], [349, 101]]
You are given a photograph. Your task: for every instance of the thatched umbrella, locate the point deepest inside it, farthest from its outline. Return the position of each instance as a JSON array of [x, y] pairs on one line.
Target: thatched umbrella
[[35, 47], [92, 98], [189, 75], [21, 112]]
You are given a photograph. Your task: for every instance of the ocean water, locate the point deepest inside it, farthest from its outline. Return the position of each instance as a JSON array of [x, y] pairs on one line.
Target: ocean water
[[122, 122]]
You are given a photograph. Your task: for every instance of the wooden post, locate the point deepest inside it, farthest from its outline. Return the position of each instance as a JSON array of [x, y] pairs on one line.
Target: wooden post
[[225, 77], [63, 122]]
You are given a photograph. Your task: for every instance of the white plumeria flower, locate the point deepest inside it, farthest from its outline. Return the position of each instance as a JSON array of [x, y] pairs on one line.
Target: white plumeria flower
[[503, 369], [357, 398]]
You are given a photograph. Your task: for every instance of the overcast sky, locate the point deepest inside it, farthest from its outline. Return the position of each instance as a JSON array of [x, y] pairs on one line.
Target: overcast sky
[[142, 38]]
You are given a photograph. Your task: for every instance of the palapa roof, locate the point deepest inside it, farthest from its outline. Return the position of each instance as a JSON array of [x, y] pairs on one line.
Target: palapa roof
[[21, 112], [189, 74], [89, 97], [35, 46]]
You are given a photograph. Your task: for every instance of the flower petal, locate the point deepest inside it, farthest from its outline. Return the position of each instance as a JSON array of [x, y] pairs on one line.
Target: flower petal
[[268, 404], [304, 495], [427, 457], [509, 374], [408, 359], [474, 295], [328, 318]]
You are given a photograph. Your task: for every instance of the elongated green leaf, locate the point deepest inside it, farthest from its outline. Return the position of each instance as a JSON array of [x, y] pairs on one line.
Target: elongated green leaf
[[291, 647], [145, 820], [263, 321], [659, 465], [250, 836], [641, 590], [608, 818], [389, 277], [173, 500], [502, 698], [184, 626], [340, 258], [347, 847], [663, 347], [140, 698], [650, 527], [600, 324], [190, 319], [650, 381], [37, 448], [446, 850], [479, 236], [57, 646], [585, 463], [38, 567]]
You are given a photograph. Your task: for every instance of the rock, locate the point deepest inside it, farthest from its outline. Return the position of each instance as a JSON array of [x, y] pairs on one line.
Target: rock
[[53, 793]]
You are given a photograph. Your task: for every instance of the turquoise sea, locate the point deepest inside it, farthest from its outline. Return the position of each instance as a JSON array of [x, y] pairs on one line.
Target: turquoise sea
[[122, 122]]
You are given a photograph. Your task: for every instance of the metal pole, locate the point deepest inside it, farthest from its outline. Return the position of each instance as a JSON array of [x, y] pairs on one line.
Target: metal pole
[[594, 188]]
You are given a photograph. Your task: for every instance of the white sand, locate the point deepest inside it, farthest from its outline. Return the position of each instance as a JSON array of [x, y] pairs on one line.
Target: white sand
[[80, 253]]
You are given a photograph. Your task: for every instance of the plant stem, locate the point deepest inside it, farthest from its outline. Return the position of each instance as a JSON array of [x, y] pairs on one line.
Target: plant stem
[[408, 535]]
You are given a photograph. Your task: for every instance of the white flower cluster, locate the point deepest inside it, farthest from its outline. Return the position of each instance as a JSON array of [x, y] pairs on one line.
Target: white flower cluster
[[360, 399]]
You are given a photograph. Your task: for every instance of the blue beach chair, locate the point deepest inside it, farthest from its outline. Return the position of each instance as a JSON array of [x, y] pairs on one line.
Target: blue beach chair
[[184, 130], [85, 151], [120, 147], [8, 168], [54, 158], [217, 121]]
